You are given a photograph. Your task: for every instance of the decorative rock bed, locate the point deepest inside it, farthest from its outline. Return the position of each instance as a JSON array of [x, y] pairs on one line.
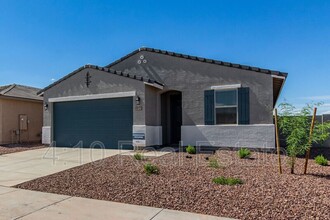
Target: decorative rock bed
[[186, 184]]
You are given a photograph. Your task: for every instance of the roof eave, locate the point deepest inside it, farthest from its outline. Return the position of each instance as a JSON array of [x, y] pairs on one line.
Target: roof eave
[[20, 98], [280, 90]]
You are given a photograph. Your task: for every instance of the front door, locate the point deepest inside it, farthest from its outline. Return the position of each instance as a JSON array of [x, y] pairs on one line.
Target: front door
[[171, 117]]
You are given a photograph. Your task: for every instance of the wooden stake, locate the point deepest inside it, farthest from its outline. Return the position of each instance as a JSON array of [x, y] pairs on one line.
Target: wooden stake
[[308, 152], [278, 143]]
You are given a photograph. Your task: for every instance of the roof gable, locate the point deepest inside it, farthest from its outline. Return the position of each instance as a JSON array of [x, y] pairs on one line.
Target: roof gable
[[104, 69]]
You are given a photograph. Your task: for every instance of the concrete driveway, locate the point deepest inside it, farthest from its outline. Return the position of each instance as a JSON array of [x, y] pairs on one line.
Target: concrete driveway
[[26, 204], [23, 166]]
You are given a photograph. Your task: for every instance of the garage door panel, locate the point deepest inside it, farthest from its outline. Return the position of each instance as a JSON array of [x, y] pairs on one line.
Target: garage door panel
[[104, 120]]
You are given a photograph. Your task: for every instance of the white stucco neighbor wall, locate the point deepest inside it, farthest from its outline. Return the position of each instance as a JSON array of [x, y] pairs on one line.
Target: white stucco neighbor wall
[[153, 135], [249, 136], [46, 134]]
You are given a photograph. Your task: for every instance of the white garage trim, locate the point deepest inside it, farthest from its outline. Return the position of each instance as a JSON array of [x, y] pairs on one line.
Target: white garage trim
[[91, 97]]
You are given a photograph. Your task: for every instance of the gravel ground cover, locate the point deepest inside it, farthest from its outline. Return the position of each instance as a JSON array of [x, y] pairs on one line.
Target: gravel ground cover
[[13, 148], [186, 184]]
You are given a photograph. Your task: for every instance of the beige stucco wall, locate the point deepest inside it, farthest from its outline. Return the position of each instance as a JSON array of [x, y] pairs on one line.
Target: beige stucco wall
[[0, 120], [10, 109]]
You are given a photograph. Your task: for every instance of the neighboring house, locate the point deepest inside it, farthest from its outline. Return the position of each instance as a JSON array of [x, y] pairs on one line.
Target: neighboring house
[[20, 114], [156, 97]]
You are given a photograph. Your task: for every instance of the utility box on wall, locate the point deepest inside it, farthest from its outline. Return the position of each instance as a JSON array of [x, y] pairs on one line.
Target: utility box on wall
[[23, 122]]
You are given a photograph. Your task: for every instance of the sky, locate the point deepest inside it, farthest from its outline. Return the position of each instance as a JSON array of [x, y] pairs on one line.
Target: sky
[[43, 40]]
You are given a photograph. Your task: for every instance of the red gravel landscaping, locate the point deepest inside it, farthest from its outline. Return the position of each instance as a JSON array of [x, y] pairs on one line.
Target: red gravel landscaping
[[13, 148], [186, 184]]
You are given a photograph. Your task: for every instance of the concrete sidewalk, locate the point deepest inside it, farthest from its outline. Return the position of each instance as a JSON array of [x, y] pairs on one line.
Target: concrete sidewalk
[[23, 166], [26, 204]]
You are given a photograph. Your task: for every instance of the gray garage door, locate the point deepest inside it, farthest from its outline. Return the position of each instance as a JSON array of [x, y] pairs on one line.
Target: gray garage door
[[91, 122]]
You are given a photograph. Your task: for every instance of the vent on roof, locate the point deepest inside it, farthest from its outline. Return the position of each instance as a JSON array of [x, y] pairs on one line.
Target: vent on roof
[[141, 60]]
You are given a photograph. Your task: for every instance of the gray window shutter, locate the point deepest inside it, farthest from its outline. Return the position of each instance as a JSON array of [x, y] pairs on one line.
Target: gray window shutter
[[243, 106], [209, 107]]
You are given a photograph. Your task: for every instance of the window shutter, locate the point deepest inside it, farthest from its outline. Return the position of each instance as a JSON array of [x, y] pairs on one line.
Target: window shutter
[[243, 106], [209, 107]]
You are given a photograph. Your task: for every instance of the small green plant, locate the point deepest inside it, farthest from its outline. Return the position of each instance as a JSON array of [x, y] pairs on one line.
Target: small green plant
[[213, 162], [227, 181], [191, 149], [151, 169], [321, 160], [244, 153], [138, 156]]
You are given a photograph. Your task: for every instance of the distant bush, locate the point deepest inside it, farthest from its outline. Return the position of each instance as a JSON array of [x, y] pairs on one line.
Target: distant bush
[[321, 160], [138, 156], [151, 169], [213, 162], [227, 181], [244, 153], [191, 149]]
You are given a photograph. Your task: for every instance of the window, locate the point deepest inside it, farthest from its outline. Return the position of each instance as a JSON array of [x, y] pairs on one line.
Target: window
[[226, 106]]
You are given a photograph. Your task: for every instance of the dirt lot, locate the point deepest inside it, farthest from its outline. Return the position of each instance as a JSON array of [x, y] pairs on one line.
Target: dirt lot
[[186, 184], [13, 148]]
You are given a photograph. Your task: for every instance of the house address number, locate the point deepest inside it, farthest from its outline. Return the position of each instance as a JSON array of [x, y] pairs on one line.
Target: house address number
[[138, 108]]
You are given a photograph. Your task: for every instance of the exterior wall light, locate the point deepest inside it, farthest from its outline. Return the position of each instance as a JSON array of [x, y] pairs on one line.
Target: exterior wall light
[[46, 106], [137, 100]]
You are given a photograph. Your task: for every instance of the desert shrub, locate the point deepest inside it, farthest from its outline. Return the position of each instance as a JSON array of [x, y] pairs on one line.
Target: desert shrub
[[295, 125], [151, 169], [321, 160], [138, 156], [244, 153], [191, 149], [227, 181], [214, 163]]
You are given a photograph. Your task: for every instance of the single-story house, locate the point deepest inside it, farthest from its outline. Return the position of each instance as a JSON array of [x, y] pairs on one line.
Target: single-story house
[[155, 97], [21, 112]]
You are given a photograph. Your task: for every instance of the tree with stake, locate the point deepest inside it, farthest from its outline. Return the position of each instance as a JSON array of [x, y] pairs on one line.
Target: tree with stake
[[308, 151], [295, 125]]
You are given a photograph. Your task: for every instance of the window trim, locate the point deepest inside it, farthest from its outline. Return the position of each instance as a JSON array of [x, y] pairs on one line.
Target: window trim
[[228, 106], [232, 86]]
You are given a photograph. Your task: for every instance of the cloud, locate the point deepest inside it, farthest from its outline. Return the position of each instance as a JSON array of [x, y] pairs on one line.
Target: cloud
[[322, 109], [52, 79], [316, 98]]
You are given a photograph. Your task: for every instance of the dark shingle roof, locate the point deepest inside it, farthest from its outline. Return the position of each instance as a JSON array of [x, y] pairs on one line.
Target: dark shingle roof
[[104, 69], [20, 91], [179, 55], [200, 59]]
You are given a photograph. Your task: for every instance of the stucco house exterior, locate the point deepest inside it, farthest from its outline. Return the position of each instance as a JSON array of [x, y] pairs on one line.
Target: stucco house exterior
[[20, 114], [155, 97]]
